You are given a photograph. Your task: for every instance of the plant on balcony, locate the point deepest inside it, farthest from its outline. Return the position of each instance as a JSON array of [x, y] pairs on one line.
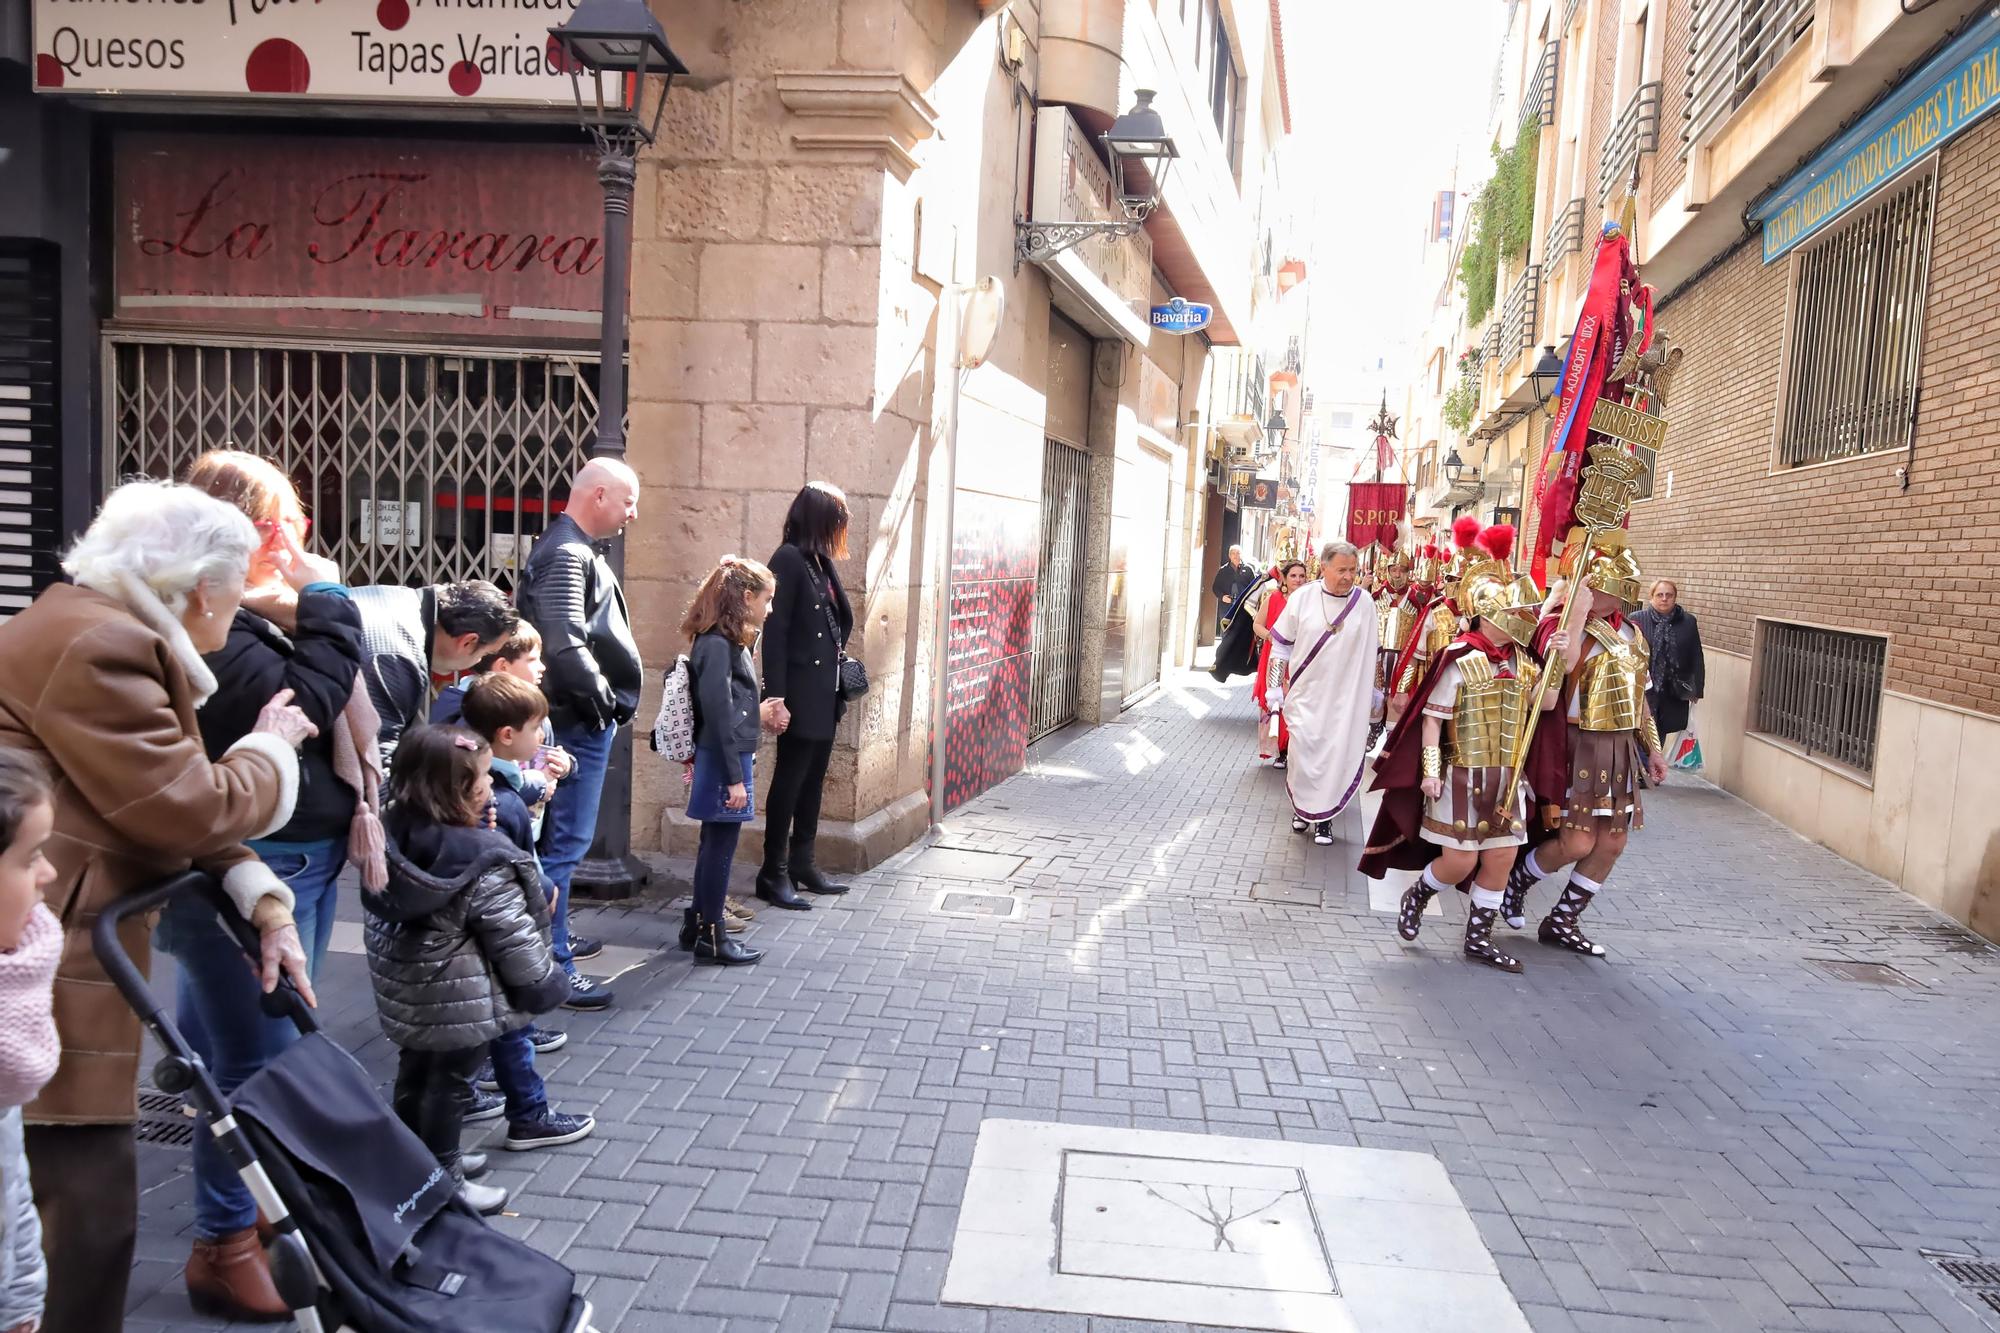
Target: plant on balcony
[[1501, 221], [1461, 401]]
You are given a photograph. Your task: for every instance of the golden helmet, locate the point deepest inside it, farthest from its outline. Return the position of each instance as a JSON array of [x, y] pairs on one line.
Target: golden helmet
[[1613, 568], [1393, 568], [1489, 591], [1429, 563]]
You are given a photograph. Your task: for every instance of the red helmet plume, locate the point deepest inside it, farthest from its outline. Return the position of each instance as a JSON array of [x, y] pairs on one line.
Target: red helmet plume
[[1464, 531], [1498, 541]]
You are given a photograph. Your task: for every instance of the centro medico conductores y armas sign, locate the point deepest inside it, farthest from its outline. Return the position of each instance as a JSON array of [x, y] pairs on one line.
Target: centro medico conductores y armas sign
[[379, 235], [1953, 89], [325, 50]]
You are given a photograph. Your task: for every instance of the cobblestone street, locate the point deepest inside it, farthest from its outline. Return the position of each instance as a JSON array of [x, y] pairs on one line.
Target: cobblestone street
[[1707, 1130]]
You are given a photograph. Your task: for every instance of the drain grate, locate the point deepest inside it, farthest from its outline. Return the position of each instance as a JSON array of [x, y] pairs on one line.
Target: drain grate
[[1874, 974], [1295, 895], [977, 906], [162, 1121], [1978, 1279]]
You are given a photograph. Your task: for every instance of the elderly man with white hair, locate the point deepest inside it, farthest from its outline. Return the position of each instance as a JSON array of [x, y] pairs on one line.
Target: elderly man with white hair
[[570, 595], [1328, 638]]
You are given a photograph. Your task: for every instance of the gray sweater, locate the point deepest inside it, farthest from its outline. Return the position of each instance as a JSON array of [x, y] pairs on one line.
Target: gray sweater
[[725, 701]]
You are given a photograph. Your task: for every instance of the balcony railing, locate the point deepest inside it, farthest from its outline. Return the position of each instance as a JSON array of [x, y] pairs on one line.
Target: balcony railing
[[1565, 235], [1734, 45], [1569, 14], [1518, 314], [1539, 103], [1635, 133], [1489, 345]]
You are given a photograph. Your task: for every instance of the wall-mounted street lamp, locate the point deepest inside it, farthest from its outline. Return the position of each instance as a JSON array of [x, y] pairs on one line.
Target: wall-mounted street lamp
[[1547, 375], [1277, 425], [1140, 152], [616, 53]]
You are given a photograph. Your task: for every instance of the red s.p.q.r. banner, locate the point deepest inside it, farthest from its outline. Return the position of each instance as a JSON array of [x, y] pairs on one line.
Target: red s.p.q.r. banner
[[1373, 509]]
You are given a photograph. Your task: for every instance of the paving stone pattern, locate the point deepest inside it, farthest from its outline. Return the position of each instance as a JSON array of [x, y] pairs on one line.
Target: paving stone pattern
[[1701, 1132]]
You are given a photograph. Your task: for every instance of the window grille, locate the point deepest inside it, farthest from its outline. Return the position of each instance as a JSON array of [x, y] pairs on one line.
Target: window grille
[[1734, 44], [1857, 332], [1519, 313], [30, 451], [1565, 235], [1635, 133], [418, 467], [1821, 690], [1540, 103]]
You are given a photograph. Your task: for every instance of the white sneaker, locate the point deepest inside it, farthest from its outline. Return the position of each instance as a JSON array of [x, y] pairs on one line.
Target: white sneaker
[[1323, 833], [1299, 825]]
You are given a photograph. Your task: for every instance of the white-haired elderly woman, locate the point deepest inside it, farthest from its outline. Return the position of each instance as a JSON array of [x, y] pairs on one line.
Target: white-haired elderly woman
[[101, 678]]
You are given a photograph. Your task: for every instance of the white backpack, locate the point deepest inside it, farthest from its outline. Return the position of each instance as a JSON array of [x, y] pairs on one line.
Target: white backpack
[[673, 729]]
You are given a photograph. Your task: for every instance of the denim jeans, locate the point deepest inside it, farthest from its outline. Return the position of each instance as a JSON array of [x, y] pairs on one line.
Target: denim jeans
[[712, 860], [218, 1009], [514, 1070], [572, 820]]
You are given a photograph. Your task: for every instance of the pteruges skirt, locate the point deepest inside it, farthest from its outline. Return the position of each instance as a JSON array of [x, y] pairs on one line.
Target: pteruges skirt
[[1468, 817], [1603, 779]]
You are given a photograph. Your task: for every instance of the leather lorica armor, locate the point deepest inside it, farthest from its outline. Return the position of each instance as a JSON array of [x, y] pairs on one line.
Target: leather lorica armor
[[1611, 685], [1489, 713]]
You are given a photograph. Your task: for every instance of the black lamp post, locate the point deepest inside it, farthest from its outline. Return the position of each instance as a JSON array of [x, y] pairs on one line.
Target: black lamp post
[[1454, 467], [614, 51], [1546, 377], [1277, 425]]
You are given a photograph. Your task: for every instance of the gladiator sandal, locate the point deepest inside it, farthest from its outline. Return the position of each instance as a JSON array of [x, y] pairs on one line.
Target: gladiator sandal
[[1479, 946], [1560, 925], [1410, 917], [1514, 898]]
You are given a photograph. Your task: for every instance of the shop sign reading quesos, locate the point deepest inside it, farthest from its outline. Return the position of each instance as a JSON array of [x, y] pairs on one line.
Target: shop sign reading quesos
[[323, 50]]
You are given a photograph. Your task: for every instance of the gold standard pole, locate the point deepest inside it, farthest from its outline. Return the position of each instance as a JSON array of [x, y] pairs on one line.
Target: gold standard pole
[[1528, 724]]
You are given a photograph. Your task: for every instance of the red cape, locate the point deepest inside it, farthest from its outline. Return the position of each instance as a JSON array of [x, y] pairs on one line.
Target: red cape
[[1409, 652]]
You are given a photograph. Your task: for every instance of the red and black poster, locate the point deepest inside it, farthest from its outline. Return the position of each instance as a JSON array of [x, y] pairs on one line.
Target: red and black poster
[[376, 235]]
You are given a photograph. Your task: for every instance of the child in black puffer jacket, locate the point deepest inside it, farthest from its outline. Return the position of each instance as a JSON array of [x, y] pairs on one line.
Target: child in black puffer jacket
[[458, 944]]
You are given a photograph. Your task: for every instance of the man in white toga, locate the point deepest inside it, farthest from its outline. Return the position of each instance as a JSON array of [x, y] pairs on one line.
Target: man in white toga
[[1328, 638]]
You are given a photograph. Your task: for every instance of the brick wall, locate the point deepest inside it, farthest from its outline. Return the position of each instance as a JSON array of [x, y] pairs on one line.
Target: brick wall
[[1602, 67], [1669, 167], [1843, 544]]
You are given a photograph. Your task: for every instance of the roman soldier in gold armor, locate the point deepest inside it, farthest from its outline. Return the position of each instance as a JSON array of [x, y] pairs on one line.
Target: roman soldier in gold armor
[[1442, 621], [1586, 774], [1449, 803], [1399, 625]]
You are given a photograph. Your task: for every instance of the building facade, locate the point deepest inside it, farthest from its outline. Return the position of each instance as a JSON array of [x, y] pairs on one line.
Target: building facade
[[376, 256], [1807, 184]]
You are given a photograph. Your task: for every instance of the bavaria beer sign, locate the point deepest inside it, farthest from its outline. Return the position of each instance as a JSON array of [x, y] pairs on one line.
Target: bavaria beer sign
[[1181, 315]]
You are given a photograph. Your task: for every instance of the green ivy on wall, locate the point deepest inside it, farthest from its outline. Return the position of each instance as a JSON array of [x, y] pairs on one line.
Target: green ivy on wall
[[1502, 222]]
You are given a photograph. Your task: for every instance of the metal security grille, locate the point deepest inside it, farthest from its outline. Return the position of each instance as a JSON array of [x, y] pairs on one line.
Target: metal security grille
[[1635, 133], [1821, 690], [1538, 105], [418, 466], [1052, 687], [1734, 44], [30, 453], [1519, 314], [1857, 332]]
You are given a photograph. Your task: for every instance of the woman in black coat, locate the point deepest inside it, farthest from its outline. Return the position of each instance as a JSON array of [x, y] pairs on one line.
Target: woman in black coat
[[803, 641], [1675, 642]]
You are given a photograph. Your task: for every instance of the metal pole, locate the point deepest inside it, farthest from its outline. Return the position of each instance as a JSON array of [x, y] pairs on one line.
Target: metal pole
[[610, 870]]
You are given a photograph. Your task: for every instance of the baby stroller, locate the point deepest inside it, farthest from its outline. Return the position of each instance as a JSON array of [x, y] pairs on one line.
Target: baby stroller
[[371, 1236]]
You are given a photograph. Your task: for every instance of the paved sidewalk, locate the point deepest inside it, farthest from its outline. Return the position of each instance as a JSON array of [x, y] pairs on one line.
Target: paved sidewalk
[[1703, 1131]]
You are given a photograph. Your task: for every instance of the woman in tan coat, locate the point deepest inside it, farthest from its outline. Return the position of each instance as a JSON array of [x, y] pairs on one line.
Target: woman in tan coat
[[101, 679]]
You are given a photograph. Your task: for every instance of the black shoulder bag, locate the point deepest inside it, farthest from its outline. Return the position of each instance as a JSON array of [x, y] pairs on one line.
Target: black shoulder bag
[[852, 681]]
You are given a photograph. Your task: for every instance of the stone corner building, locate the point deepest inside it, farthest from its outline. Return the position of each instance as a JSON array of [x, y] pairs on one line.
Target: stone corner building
[[829, 184], [1813, 184], [383, 270]]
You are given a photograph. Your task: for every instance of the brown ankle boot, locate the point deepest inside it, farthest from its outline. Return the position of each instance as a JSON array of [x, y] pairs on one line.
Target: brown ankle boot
[[229, 1276]]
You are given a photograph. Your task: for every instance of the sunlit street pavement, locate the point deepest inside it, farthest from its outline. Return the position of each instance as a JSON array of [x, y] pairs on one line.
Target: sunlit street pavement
[[1711, 1129]]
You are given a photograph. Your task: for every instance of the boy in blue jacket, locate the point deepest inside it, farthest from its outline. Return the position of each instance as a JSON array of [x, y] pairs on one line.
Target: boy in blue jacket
[[509, 713]]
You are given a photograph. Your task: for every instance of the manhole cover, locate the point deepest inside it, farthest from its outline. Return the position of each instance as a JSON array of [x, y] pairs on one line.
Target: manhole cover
[[1297, 895], [978, 906], [964, 863], [1978, 1280], [1875, 974], [162, 1121]]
